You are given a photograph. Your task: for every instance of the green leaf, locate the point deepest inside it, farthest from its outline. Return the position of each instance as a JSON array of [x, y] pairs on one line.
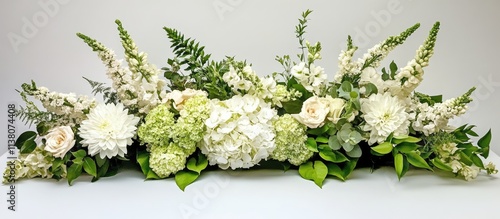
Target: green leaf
[[293, 107], [484, 143], [321, 172], [409, 139], [477, 161], [332, 156], [370, 89], [197, 166], [42, 128], [143, 160], [318, 131], [355, 152], [383, 148], [57, 163], [465, 158], [316, 173], [28, 147], [349, 167], [437, 98], [89, 166], [152, 175], [398, 165], [334, 143], [346, 86], [103, 169], [185, 177], [439, 164], [311, 144], [25, 136], [393, 67], [334, 170], [79, 154], [100, 161], [321, 139], [417, 160], [406, 147], [74, 171]]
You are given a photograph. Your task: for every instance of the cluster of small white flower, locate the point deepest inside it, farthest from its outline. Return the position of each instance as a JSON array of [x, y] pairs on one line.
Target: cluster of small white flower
[[312, 77], [246, 81], [148, 86], [72, 108], [431, 119], [346, 66], [239, 132]]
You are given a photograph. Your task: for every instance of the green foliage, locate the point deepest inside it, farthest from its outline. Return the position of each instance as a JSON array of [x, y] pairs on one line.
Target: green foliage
[[315, 171], [108, 94], [300, 30], [193, 170], [26, 142]]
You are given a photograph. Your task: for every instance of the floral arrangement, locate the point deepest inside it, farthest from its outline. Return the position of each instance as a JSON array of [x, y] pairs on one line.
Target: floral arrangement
[[205, 114]]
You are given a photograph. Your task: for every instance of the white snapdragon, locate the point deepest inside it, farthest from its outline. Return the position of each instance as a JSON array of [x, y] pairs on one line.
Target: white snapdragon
[[313, 78]]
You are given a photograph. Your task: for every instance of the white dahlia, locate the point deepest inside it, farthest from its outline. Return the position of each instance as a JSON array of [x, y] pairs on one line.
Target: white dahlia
[[108, 130], [384, 114]]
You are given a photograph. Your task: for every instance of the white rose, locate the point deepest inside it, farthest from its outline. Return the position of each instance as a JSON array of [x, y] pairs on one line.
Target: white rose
[[180, 98], [336, 105], [59, 141], [313, 112]]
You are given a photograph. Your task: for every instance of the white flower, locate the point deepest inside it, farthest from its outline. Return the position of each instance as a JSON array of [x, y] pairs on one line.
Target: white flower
[[313, 113], [469, 172], [180, 97], [384, 114], [336, 105], [59, 141], [239, 132], [455, 166], [108, 130]]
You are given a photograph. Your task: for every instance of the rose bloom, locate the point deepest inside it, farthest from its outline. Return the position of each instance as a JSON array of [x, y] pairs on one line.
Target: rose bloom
[[59, 141], [336, 105], [313, 113], [180, 97]]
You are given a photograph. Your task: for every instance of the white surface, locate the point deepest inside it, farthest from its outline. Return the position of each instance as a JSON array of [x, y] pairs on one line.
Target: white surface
[[466, 52], [261, 194]]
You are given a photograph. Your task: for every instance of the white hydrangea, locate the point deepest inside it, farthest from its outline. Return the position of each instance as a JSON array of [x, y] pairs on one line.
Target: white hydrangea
[[239, 132]]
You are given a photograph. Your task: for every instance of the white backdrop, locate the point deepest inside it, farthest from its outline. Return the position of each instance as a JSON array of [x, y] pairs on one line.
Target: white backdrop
[[38, 41]]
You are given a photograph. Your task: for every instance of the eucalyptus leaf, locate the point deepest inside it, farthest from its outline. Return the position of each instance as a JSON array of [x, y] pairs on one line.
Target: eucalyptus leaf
[[334, 143], [355, 152]]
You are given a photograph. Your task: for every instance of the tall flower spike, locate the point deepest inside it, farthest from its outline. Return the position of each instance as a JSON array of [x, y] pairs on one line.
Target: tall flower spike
[[377, 53], [346, 66], [145, 75], [412, 74], [120, 76]]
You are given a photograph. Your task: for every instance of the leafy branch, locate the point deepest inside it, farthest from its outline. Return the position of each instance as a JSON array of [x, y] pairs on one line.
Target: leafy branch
[[108, 94], [300, 30]]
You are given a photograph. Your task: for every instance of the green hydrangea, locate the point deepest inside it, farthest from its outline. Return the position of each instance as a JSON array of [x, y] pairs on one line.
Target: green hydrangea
[[158, 125], [190, 127], [290, 141], [167, 159]]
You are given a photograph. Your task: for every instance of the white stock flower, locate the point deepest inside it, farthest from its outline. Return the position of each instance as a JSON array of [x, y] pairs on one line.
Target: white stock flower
[[313, 113], [108, 130], [384, 114], [59, 140]]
